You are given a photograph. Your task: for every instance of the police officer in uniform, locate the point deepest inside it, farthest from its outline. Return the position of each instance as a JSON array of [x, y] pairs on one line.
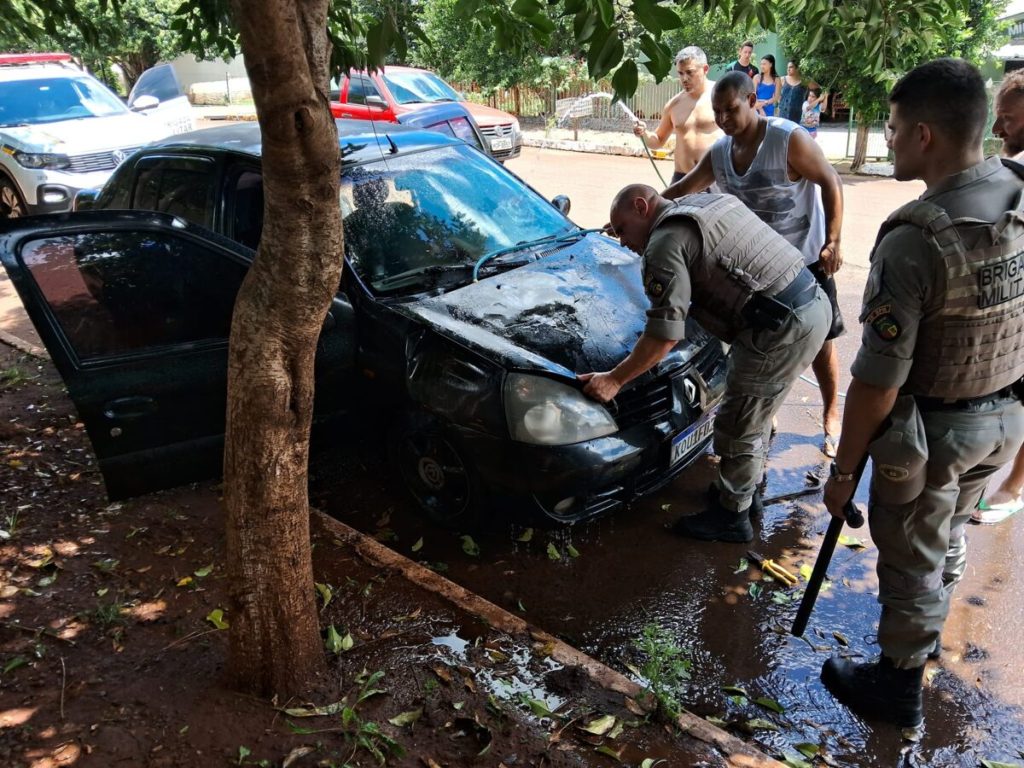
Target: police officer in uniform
[[710, 255], [943, 332]]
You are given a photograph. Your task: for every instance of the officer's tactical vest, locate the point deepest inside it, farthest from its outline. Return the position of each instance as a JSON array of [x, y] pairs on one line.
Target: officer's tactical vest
[[974, 345], [742, 256]]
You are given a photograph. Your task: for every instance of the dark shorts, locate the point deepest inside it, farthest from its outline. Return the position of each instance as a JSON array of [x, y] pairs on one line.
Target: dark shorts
[[828, 285]]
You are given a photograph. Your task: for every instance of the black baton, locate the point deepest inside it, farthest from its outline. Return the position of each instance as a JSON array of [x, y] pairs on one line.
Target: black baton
[[852, 516]]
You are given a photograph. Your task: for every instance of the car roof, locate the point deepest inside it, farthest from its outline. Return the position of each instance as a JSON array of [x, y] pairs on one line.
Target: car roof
[[362, 140], [38, 71]]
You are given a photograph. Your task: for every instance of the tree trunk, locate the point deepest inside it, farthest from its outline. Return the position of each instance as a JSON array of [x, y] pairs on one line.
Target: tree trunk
[[275, 645], [860, 146]]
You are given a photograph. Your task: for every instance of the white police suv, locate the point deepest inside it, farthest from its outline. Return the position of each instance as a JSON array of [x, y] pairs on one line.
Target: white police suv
[[61, 131]]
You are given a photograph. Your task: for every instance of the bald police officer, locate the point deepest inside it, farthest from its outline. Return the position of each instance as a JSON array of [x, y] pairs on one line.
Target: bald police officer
[[709, 255], [943, 336]]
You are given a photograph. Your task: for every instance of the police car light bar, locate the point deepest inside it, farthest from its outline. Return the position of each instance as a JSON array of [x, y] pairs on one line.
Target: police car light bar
[[11, 59]]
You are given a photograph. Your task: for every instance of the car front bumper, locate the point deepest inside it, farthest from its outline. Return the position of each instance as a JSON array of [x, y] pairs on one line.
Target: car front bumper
[[571, 483]]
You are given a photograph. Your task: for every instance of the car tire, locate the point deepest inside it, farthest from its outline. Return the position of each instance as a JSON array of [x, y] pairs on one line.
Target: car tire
[[433, 469], [12, 206]]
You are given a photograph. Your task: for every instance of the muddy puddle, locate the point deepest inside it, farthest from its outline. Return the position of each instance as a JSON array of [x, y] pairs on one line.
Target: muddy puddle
[[599, 585]]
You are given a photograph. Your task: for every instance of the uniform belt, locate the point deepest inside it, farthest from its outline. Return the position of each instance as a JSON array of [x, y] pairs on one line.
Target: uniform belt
[[800, 291], [938, 404], [771, 312]]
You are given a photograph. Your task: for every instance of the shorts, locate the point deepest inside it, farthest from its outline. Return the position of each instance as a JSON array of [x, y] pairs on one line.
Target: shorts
[[828, 285]]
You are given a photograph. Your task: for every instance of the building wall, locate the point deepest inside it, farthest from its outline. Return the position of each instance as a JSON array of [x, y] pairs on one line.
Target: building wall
[[190, 70]]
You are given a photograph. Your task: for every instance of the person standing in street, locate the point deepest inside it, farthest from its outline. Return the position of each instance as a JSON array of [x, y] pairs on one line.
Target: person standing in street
[[1006, 500], [687, 114], [781, 174], [794, 93], [938, 375], [767, 86], [709, 255], [743, 61]]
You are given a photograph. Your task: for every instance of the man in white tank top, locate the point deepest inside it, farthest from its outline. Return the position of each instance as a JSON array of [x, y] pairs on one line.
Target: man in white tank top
[[781, 174]]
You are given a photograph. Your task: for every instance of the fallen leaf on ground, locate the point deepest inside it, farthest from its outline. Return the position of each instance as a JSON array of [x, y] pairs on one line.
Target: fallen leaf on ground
[[324, 711], [216, 617], [406, 718], [296, 754], [600, 726]]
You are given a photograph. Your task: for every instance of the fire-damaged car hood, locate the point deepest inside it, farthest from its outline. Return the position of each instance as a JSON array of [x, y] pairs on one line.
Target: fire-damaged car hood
[[580, 309]]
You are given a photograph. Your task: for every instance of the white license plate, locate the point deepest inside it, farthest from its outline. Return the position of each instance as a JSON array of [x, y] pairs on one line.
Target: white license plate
[[689, 439], [499, 144]]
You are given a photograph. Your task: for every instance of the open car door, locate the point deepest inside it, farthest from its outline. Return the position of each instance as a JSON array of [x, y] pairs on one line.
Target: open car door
[[135, 309]]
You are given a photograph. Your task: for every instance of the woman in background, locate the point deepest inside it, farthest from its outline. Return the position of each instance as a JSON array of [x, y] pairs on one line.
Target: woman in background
[[768, 86], [794, 92]]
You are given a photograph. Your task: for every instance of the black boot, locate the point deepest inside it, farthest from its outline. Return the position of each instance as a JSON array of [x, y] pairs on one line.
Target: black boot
[[756, 508], [716, 523], [877, 691]]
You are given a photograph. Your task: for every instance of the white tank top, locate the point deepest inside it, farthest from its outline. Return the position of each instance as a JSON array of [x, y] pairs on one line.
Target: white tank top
[[791, 208]]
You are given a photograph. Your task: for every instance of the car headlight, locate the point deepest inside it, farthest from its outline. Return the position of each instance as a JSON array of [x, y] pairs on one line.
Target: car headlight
[[545, 412], [42, 160]]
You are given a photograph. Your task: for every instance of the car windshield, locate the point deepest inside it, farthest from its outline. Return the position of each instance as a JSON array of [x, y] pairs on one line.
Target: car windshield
[[418, 87], [413, 221], [52, 99]]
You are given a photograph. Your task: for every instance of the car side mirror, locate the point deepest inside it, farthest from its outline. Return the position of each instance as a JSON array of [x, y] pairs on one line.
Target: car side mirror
[[145, 102], [85, 199], [562, 203], [377, 102]]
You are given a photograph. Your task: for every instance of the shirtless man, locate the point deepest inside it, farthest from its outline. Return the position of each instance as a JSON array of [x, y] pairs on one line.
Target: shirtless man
[[689, 114]]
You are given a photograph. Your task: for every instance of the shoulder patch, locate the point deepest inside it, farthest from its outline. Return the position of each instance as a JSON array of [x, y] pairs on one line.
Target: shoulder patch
[[655, 288], [884, 323]]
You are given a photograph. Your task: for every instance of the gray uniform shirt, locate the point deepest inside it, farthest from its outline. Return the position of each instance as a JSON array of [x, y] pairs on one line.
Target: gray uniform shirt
[[907, 281], [667, 277]]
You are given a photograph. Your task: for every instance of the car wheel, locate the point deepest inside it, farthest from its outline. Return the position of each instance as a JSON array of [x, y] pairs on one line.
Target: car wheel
[[11, 204], [434, 471]]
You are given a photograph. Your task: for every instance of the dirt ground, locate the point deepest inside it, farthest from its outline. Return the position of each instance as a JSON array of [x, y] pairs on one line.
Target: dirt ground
[[112, 642]]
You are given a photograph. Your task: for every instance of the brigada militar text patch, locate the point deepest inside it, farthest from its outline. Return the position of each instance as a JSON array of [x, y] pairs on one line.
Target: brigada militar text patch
[[884, 323], [1001, 282]]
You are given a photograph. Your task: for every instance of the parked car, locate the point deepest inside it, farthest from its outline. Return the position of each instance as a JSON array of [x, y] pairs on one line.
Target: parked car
[[61, 130], [393, 91], [467, 305], [451, 119]]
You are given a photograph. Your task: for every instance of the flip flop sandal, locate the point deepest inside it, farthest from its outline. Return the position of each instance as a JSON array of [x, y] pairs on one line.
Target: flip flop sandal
[[990, 514], [831, 446]]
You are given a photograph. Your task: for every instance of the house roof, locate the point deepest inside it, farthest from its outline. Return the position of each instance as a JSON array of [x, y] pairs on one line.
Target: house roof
[[1013, 8]]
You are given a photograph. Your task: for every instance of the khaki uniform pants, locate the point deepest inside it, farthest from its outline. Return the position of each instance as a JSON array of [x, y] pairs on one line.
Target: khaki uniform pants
[[922, 547], [761, 370]]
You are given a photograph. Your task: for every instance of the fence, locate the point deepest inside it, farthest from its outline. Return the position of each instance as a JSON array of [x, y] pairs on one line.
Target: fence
[[542, 102]]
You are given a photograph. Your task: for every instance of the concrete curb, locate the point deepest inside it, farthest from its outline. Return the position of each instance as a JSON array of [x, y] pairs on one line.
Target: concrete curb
[[736, 752], [23, 346]]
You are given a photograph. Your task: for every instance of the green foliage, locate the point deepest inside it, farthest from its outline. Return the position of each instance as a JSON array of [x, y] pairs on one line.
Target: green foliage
[[497, 43], [666, 667], [870, 45], [135, 35]]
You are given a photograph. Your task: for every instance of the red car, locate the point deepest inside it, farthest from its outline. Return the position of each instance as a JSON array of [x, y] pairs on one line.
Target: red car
[[387, 93]]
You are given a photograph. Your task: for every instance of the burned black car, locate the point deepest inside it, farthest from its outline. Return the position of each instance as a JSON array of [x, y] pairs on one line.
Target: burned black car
[[468, 304]]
